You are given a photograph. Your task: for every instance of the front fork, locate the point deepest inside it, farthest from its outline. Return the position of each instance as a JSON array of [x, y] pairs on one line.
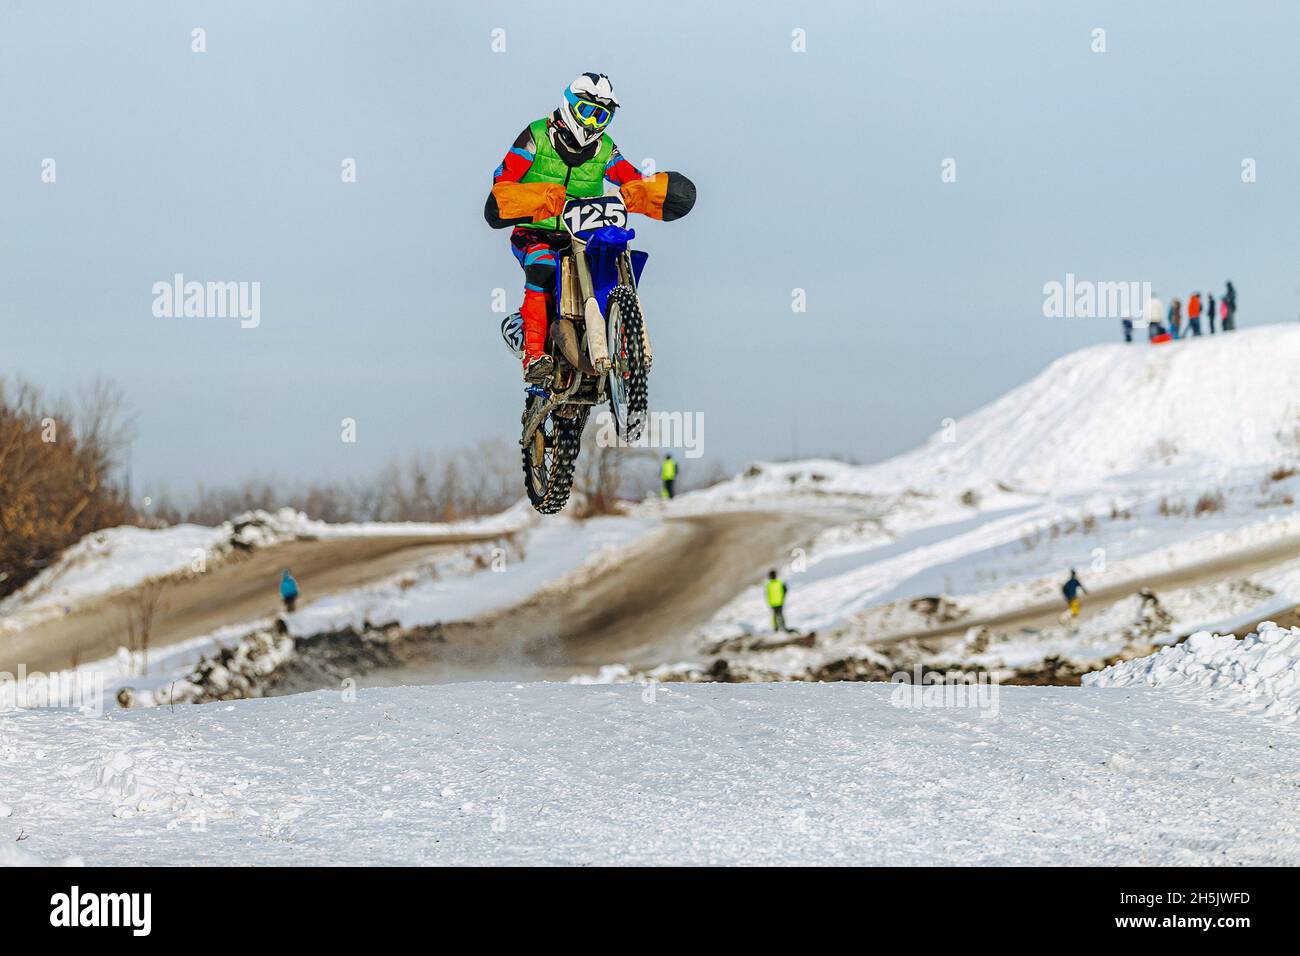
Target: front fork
[[597, 340], [597, 337]]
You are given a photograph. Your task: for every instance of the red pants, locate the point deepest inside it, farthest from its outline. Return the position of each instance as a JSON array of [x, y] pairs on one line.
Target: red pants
[[539, 259]]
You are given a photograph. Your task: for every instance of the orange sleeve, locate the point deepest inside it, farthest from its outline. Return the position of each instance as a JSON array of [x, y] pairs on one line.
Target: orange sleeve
[[646, 196], [535, 201]]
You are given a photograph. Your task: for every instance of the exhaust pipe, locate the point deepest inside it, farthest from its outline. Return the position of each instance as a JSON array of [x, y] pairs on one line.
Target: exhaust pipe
[[565, 335]]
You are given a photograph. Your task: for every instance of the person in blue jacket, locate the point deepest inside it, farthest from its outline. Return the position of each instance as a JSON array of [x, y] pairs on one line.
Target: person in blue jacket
[[288, 590], [1071, 590]]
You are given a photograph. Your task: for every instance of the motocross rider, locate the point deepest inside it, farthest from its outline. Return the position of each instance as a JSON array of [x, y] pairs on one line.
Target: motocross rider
[[562, 156]]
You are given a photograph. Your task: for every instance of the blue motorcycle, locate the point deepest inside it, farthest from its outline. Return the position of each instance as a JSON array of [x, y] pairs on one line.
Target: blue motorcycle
[[598, 341]]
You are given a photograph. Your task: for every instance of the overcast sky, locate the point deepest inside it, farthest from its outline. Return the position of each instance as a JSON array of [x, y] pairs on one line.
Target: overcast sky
[[817, 170]]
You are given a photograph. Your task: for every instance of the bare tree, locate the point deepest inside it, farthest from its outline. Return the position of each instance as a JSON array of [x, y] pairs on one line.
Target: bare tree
[[139, 609], [57, 470], [604, 472]]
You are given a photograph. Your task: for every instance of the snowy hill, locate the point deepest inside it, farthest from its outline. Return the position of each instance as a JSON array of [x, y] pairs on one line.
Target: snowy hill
[[1206, 406], [1202, 407]]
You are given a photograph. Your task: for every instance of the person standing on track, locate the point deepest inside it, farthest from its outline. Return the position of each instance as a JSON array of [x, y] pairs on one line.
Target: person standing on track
[[668, 475], [288, 591], [776, 601], [1071, 590]]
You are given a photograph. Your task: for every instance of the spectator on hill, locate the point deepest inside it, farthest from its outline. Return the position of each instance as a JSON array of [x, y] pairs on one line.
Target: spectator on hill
[[1175, 317], [1229, 311], [1154, 314], [1194, 314], [1209, 310]]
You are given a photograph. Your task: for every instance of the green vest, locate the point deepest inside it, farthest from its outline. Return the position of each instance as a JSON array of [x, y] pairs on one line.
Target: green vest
[[580, 182], [775, 593], [669, 470]]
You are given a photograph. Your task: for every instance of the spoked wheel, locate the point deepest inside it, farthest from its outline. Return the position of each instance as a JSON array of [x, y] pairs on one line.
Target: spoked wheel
[[550, 457], [629, 390]]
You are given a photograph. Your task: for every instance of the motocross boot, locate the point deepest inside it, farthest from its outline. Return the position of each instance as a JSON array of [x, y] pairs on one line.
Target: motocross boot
[[539, 370]]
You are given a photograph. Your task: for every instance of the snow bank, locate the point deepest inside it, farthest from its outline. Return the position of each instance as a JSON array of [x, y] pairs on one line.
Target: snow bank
[[115, 559], [104, 562], [1259, 674]]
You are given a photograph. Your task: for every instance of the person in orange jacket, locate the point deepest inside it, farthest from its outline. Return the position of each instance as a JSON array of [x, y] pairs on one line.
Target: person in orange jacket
[[1194, 314], [563, 156]]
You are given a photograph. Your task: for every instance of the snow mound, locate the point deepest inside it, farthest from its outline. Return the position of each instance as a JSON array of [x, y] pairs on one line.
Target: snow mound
[[1259, 674], [1206, 405]]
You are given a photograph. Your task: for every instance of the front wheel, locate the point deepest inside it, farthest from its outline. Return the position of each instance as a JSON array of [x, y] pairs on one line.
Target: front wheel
[[550, 457], [629, 390]]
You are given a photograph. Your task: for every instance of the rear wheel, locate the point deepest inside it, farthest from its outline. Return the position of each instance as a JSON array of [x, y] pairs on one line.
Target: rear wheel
[[629, 390], [550, 458]]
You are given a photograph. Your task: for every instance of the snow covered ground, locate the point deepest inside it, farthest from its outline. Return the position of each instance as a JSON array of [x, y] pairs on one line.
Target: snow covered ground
[[665, 774]]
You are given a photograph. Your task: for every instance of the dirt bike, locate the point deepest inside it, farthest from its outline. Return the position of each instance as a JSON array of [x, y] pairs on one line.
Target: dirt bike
[[598, 341]]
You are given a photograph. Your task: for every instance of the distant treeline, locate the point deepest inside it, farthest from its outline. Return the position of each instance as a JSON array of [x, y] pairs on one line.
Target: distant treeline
[[481, 480]]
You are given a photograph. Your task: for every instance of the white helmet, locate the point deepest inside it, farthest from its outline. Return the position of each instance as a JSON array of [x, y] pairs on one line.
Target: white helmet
[[588, 107]]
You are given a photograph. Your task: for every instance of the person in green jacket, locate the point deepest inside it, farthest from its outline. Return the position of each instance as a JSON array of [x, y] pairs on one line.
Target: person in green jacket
[[776, 601], [668, 474]]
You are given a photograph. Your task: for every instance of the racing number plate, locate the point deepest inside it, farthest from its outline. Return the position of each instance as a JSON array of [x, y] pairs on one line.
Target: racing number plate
[[585, 215]]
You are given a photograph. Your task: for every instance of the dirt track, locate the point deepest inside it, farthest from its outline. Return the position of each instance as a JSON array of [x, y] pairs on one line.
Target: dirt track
[[641, 612], [242, 589]]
